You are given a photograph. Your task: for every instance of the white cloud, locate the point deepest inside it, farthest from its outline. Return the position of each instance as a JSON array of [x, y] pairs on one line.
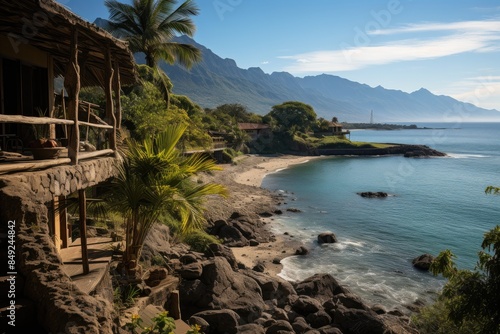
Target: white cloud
[[484, 27], [461, 37], [483, 91]]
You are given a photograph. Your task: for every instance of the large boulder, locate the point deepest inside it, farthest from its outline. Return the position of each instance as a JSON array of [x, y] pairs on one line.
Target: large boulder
[[359, 321], [224, 251], [280, 326], [423, 262], [191, 271], [327, 238], [320, 286], [251, 329], [221, 321], [319, 319], [306, 305], [350, 300], [273, 288], [220, 287]]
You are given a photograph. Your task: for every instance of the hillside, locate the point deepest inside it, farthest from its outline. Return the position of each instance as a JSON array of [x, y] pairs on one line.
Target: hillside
[[216, 81]]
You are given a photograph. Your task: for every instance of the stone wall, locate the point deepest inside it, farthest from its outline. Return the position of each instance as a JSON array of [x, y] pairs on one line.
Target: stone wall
[[61, 307]]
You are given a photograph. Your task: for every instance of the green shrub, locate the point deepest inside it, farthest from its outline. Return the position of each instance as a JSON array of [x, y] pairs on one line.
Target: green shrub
[[199, 240]]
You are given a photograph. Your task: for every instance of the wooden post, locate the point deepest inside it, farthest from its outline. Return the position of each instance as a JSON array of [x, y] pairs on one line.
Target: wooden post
[[117, 89], [50, 70], [83, 229], [110, 109], [72, 85], [63, 218]]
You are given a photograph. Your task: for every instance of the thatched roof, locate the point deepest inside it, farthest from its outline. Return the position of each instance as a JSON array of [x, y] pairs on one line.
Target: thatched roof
[[47, 25]]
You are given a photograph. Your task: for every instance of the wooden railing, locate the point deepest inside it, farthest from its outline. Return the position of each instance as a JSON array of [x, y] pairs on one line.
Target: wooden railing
[[30, 120]]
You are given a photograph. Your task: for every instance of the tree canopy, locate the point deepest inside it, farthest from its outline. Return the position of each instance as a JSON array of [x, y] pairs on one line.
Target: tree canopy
[[293, 116]]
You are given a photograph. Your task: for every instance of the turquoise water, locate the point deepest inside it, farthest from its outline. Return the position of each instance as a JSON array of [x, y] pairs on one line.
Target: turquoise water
[[436, 204]]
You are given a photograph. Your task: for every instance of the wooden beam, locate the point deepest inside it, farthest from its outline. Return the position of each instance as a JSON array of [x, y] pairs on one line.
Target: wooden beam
[[72, 85], [31, 165], [95, 125], [33, 120], [88, 155], [117, 89], [82, 199], [108, 89]]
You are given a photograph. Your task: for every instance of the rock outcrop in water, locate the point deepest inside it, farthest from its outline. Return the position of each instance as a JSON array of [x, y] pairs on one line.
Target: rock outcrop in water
[[423, 262], [370, 194]]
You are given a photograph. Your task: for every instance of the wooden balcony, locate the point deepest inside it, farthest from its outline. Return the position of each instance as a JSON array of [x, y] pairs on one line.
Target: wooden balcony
[[23, 160]]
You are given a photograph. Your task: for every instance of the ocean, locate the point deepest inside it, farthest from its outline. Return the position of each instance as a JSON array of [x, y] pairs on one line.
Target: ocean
[[434, 204]]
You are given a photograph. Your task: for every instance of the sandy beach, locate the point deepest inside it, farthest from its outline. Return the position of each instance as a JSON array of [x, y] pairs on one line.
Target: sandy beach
[[243, 179], [254, 175]]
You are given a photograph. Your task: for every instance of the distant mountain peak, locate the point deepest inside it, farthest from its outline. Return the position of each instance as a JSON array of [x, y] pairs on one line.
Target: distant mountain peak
[[216, 81]]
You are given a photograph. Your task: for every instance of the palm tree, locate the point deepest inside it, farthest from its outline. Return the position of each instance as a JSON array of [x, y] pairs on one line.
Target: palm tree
[[149, 26], [155, 181]]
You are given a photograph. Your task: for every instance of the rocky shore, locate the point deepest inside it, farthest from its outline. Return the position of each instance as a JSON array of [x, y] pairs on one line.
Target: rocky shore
[[234, 287]]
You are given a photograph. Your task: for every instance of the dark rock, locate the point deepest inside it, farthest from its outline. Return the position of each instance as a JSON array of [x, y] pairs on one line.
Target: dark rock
[[204, 325], [423, 262], [350, 300], [301, 251], [251, 329], [280, 314], [254, 243], [259, 267], [220, 287], [359, 321], [330, 330], [319, 319], [369, 194], [379, 309], [293, 210], [278, 212], [300, 325], [188, 258], [266, 214], [280, 326], [305, 305], [327, 238], [236, 215], [273, 288], [329, 305], [191, 271], [223, 251], [155, 276], [320, 286], [276, 260], [221, 321], [232, 237], [217, 226]]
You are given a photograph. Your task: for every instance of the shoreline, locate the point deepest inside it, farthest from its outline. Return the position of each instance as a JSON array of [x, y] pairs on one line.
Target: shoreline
[[255, 175], [243, 179]]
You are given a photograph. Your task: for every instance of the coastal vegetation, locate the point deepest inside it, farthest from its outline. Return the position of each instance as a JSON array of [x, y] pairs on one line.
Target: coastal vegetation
[[469, 301]]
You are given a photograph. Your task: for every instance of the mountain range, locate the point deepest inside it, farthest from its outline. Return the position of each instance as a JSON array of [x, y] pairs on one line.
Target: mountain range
[[215, 81]]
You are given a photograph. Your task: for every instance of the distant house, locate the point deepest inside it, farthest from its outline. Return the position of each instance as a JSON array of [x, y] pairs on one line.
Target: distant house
[[255, 130], [336, 129]]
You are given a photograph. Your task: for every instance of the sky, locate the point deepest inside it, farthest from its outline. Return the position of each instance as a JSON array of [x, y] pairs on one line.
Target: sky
[[450, 47]]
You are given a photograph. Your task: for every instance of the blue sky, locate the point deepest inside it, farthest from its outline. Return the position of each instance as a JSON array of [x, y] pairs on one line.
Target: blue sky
[[449, 47]]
